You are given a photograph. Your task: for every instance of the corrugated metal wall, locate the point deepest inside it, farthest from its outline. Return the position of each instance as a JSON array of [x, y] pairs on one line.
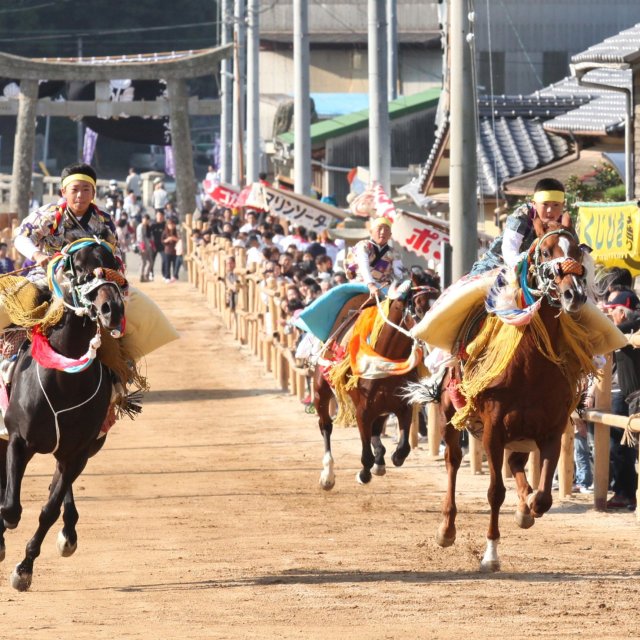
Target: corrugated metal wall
[[525, 30], [340, 16]]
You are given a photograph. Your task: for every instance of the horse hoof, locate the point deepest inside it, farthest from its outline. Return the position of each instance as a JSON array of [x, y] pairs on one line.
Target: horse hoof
[[490, 566], [20, 581], [379, 469], [397, 459], [363, 478], [9, 525], [524, 520], [444, 541], [65, 548], [326, 482]]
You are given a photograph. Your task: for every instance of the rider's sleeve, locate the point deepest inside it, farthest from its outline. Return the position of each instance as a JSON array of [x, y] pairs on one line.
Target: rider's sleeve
[[511, 246], [25, 246], [398, 269], [33, 230], [362, 260]]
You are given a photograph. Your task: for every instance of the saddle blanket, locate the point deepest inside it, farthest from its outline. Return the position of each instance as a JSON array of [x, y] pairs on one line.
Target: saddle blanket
[[319, 317], [441, 325]]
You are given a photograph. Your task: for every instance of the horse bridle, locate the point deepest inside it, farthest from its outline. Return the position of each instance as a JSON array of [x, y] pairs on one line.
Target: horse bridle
[[81, 291], [548, 273]]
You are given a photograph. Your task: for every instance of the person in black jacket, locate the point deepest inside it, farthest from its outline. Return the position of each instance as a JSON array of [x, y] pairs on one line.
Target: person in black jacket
[[623, 307]]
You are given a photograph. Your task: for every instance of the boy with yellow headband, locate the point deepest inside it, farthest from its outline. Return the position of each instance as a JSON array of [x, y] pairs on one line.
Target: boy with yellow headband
[[518, 235], [44, 231]]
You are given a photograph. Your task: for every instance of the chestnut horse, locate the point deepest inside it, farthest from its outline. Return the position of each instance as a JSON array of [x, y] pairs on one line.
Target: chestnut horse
[[376, 399], [60, 411], [530, 403]]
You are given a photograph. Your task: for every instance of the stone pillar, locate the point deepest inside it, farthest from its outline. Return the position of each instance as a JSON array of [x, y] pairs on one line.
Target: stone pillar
[[23, 148], [181, 145]]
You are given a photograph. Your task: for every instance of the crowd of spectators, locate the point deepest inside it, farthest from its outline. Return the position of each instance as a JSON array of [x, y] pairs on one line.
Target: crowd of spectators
[[306, 263]]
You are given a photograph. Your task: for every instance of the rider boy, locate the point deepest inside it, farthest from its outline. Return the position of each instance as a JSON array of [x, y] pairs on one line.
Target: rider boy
[[373, 261], [45, 231], [519, 233]]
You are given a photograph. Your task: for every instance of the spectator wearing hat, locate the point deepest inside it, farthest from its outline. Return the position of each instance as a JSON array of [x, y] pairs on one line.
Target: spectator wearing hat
[[623, 307]]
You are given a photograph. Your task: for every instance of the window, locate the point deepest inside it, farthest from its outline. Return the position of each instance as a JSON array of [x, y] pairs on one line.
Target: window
[[555, 66], [491, 63]]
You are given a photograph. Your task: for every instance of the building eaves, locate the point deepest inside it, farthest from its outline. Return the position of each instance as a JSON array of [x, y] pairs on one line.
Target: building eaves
[[430, 40], [343, 125], [616, 51]]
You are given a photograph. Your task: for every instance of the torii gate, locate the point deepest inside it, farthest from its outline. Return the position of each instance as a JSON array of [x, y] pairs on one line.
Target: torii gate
[[175, 68]]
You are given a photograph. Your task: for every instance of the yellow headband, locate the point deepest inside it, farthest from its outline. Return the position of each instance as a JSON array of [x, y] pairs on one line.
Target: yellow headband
[[379, 221], [548, 196], [78, 176]]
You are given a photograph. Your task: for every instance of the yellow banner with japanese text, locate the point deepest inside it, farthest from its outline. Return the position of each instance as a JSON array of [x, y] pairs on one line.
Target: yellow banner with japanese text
[[612, 230]]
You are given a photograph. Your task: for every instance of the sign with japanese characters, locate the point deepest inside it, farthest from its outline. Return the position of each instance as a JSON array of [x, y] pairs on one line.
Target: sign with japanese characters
[[612, 230], [223, 196], [313, 215], [418, 237]]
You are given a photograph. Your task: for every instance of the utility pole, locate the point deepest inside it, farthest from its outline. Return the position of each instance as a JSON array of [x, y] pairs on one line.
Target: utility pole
[[463, 176], [79, 127], [392, 49], [237, 149], [226, 98], [253, 92], [301, 99], [379, 128]]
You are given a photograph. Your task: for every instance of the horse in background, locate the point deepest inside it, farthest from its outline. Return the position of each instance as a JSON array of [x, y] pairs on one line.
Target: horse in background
[[375, 399], [61, 411], [530, 401]]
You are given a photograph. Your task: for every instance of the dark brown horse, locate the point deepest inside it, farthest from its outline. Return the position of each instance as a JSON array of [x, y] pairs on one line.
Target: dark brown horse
[[530, 403], [61, 411], [375, 399]]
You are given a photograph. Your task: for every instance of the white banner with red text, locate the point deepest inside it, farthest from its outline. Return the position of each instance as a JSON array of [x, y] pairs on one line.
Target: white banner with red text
[[419, 237]]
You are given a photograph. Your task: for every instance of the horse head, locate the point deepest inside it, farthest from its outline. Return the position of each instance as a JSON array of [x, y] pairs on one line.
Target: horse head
[[558, 267], [425, 290], [96, 284]]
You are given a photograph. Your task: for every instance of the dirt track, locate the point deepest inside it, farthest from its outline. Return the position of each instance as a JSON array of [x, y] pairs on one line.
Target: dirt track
[[203, 519]]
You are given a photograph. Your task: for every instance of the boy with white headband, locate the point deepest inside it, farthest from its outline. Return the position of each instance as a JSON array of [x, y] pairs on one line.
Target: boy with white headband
[[373, 261], [519, 234]]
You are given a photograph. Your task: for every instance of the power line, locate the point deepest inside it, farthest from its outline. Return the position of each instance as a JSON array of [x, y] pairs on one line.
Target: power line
[[103, 32], [32, 7]]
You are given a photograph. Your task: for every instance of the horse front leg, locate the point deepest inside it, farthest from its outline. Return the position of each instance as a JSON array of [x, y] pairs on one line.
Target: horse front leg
[[367, 458], [66, 474], [446, 534], [322, 401], [495, 495], [17, 458], [379, 465], [404, 415], [517, 462], [67, 541], [540, 501], [3, 487]]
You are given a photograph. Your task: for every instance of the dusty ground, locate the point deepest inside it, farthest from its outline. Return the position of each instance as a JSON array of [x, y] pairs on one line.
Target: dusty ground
[[203, 519]]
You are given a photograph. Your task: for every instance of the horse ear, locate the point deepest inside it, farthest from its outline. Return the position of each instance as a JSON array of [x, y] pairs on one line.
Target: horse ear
[[538, 226]]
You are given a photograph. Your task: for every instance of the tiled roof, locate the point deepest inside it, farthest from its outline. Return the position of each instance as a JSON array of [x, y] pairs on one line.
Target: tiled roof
[[602, 111], [623, 48], [512, 139], [513, 146]]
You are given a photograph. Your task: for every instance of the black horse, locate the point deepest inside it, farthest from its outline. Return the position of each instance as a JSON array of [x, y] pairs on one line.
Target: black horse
[[61, 410]]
